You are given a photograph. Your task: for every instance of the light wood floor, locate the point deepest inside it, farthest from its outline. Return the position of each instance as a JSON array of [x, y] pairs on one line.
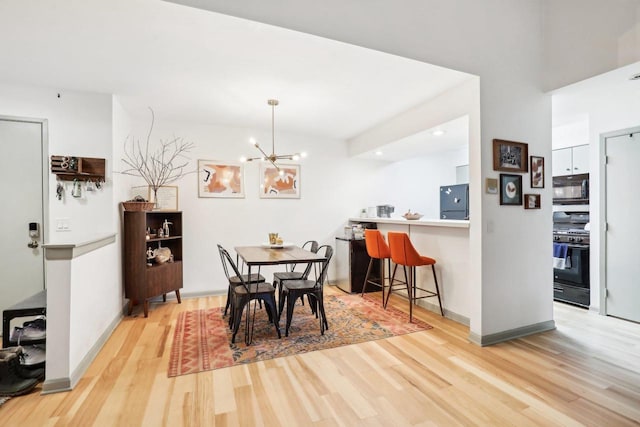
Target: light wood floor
[[587, 372]]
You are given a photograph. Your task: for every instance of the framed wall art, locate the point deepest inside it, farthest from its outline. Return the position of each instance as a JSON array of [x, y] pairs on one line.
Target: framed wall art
[[532, 201], [218, 178], [510, 156], [510, 189], [274, 185], [537, 171]]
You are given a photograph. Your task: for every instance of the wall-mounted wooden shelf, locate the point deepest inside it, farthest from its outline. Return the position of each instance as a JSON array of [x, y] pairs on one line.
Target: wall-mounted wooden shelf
[[69, 168]]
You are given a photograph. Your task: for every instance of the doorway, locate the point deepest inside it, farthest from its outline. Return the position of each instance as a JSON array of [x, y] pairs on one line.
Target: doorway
[[24, 144], [621, 289]]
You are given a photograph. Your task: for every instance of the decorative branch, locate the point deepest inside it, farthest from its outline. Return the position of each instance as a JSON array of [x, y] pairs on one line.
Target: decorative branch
[[160, 167]]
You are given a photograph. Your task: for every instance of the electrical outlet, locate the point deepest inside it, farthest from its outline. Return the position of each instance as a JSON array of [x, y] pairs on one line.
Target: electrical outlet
[[63, 224]]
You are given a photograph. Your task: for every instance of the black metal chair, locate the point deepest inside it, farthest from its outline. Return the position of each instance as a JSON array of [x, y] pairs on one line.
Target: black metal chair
[[292, 274], [294, 289], [243, 293], [236, 280]]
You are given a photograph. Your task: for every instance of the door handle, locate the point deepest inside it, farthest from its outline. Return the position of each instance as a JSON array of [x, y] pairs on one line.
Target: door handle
[[34, 234]]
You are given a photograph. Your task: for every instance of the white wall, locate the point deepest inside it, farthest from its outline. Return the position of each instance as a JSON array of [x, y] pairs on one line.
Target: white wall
[[333, 188], [500, 41], [610, 102], [79, 125], [96, 301], [415, 183], [86, 295], [570, 134]]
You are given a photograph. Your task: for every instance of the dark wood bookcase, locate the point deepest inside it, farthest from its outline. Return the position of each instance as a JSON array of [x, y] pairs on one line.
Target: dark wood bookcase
[[145, 278]]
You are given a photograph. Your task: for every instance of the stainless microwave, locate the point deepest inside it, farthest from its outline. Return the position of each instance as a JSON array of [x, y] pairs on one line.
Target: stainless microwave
[[571, 189]]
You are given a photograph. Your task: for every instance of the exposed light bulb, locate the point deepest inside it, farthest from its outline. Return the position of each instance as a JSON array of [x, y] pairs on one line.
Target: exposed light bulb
[[253, 142], [281, 172], [378, 153], [243, 159], [295, 157], [303, 154]]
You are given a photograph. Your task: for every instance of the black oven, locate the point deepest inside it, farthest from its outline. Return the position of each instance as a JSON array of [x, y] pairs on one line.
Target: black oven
[[571, 284]]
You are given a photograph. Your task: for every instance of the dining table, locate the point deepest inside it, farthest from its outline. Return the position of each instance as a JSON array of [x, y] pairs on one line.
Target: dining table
[[265, 255]]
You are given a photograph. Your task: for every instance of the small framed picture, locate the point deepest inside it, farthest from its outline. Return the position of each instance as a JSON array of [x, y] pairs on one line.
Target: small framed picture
[[510, 156], [532, 201], [279, 184], [510, 189], [167, 196], [491, 186], [218, 178], [537, 171]]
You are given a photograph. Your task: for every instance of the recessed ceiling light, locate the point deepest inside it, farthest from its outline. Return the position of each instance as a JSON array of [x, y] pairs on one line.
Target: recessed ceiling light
[[378, 153], [438, 132], [635, 77]]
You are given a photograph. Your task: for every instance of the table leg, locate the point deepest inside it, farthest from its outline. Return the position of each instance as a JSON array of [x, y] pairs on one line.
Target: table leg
[[248, 330]]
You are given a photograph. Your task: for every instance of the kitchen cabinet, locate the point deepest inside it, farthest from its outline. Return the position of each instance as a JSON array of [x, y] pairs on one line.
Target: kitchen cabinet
[[144, 277], [570, 161], [352, 261]]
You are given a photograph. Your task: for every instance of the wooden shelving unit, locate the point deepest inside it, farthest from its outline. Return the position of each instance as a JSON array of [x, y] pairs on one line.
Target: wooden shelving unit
[[69, 168], [144, 281]]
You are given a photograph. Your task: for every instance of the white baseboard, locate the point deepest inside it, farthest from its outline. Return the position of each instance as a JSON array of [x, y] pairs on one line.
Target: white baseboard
[[490, 339]]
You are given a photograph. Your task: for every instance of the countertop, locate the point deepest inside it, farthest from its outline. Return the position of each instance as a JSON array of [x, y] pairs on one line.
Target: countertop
[[455, 223]]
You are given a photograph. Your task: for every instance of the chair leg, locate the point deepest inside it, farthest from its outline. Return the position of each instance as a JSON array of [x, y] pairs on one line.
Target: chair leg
[[238, 307], [433, 268], [393, 278], [409, 290], [226, 306], [382, 277], [366, 278], [281, 298], [270, 304], [323, 316], [291, 301]]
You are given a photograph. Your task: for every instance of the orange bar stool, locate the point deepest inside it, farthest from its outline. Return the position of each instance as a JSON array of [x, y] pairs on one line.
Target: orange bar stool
[[377, 248], [403, 253]]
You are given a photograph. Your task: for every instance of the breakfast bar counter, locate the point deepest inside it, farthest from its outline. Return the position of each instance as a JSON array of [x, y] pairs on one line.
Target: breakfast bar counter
[[416, 222], [447, 241]]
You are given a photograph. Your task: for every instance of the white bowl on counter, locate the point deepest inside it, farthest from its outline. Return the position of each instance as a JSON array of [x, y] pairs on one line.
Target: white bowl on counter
[[412, 216]]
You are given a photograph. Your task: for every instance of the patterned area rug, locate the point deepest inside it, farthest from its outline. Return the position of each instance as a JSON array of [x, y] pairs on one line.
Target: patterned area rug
[[202, 339]]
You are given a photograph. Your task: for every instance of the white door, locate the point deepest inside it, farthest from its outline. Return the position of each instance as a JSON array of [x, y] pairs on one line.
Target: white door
[[22, 143], [622, 207]]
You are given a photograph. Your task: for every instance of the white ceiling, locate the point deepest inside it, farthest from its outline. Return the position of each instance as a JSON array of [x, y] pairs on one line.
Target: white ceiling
[[572, 103], [424, 143], [198, 66]]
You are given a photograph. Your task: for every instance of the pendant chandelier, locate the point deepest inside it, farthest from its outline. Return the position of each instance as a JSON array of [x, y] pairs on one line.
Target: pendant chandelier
[[273, 157]]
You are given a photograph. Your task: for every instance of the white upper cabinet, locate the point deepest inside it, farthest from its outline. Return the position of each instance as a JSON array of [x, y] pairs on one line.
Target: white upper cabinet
[[570, 161], [561, 162], [580, 159]]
